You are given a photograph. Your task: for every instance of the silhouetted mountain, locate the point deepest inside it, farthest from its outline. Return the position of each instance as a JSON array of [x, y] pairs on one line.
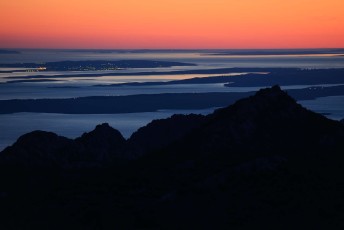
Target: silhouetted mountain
[[267, 122], [37, 148], [250, 165], [264, 162], [162, 132], [100, 146]]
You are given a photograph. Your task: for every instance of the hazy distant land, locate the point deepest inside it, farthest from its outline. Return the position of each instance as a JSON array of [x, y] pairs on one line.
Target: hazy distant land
[[94, 65], [279, 52], [252, 77], [147, 102], [262, 77], [29, 80], [249, 76], [121, 104], [148, 73], [9, 51]]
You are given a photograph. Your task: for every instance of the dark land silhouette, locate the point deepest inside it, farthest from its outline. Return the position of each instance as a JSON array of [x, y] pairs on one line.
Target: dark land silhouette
[[148, 102], [263, 162], [29, 80], [94, 65], [2, 51]]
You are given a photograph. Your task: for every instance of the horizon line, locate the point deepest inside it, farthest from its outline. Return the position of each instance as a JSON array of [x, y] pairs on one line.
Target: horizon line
[[47, 48]]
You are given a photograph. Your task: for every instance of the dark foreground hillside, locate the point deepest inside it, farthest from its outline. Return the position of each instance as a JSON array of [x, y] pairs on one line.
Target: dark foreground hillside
[[264, 162]]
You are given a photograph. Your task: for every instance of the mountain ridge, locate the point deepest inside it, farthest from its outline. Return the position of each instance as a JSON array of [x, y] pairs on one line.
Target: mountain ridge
[[103, 139], [263, 162]]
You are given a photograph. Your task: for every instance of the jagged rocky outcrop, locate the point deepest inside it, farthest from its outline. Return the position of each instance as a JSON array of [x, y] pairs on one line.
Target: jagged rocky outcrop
[[263, 162], [41, 149], [268, 123], [161, 133], [37, 148], [101, 146]]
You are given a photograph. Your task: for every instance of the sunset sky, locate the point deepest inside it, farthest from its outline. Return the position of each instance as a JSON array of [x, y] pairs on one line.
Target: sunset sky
[[171, 24]]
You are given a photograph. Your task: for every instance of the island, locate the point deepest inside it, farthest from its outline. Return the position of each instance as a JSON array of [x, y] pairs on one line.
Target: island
[[92, 65]]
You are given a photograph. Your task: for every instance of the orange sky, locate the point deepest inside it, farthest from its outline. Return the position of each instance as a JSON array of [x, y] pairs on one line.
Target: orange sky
[[171, 23]]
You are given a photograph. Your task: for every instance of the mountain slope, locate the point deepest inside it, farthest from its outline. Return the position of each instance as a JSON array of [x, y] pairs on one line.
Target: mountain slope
[[263, 162], [37, 148], [161, 133]]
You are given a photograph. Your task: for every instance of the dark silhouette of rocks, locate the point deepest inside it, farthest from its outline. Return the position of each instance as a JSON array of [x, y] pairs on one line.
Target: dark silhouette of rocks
[[37, 148], [264, 162], [98, 147], [265, 121], [162, 132]]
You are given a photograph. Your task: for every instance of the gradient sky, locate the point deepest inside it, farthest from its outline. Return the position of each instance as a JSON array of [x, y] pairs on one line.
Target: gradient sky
[[171, 23]]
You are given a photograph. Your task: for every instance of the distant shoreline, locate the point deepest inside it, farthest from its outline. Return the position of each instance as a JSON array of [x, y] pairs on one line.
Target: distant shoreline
[[151, 73], [6, 51], [93, 65], [147, 102]]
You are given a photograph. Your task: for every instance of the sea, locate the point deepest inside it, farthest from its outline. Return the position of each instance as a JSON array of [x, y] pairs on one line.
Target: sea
[[64, 86]]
